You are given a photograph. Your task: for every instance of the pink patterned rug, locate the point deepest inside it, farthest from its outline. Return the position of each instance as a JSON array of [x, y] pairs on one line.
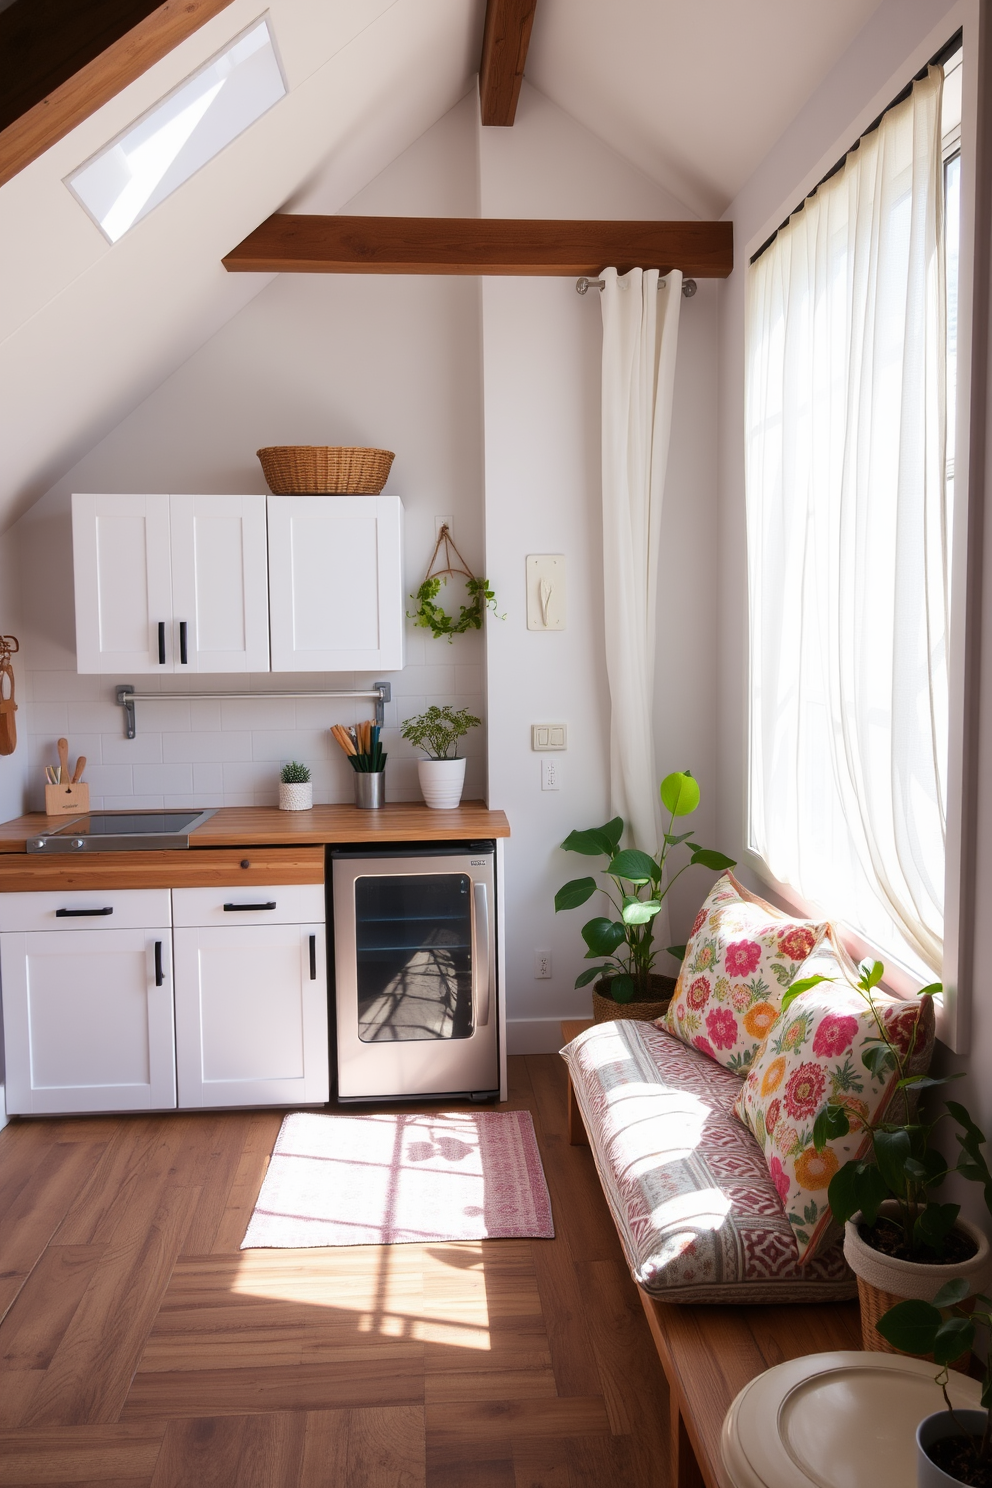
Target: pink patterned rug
[[392, 1180]]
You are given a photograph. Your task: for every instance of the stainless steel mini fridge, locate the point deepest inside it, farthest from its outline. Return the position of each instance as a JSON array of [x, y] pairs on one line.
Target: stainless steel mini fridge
[[415, 979]]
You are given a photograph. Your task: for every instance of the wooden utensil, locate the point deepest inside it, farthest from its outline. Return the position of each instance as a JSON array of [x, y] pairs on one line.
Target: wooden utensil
[[63, 747], [80, 767]]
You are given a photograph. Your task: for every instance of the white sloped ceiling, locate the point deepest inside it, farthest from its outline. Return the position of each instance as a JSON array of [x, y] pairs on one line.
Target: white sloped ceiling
[[88, 330]]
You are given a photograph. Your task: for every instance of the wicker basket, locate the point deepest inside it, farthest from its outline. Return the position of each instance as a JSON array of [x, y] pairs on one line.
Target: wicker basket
[[316, 469], [605, 1010], [875, 1303]]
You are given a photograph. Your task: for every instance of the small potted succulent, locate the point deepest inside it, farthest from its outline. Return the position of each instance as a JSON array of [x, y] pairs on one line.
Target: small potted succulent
[[442, 773], [627, 986], [295, 787]]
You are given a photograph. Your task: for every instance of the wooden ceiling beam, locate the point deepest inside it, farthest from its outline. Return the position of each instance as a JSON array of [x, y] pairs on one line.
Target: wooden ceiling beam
[[504, 51], [295, 244], [80, 81]]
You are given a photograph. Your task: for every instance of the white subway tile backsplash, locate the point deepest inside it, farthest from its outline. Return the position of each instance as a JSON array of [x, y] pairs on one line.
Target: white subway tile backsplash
[[207, 746], [109, 780], [171, 779], [208, 780]]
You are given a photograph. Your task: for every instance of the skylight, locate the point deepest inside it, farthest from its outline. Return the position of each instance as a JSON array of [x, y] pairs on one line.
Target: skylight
[[145, 164]]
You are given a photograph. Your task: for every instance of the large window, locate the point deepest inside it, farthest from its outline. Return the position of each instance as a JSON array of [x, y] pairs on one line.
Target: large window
[[850, 376]]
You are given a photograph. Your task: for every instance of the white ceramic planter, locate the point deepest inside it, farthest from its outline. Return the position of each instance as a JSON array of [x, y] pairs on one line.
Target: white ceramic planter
[[441, 782], [296, 797], [932, 1429], [914, 1278]]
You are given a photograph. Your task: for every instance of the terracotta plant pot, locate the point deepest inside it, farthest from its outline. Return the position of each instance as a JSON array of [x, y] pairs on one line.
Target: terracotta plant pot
[[885, 1280], [936, 1428], [605, 1010], [441, 782]]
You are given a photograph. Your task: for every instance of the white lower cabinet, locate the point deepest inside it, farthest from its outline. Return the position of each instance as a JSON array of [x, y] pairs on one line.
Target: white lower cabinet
[[251, 1015], [88, 1020], [101, 1012]]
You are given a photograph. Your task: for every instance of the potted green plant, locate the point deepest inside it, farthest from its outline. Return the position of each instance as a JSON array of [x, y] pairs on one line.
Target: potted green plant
[[623, 943], [295, 787], [899, 1239], [442, 773]]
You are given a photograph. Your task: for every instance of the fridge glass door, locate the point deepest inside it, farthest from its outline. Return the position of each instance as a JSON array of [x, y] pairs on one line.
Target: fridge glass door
[[413, 936]]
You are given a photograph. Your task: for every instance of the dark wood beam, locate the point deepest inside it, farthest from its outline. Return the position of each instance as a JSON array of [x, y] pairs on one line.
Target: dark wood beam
[[61, 60], [297, 244], [504, 52]]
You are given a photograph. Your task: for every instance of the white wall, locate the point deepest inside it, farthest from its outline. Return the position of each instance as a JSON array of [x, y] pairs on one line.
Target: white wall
[[321, 359], [541, 347]]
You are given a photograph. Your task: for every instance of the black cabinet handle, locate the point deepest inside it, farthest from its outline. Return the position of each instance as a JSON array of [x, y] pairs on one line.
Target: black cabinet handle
[[228, 907], [161, 643], [184, 659], [313, 958], [76, 914], [159, 973]]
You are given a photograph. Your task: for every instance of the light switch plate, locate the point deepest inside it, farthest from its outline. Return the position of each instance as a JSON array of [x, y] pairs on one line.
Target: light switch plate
[[548, 736], [546, 591]]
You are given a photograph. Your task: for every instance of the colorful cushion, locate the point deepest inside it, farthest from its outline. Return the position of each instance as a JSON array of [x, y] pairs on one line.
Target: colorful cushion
[[690, 1193], [813, 1053], [741, 956]]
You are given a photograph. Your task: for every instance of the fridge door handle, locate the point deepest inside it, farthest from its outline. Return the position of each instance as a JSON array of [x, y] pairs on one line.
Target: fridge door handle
[[481, 970]]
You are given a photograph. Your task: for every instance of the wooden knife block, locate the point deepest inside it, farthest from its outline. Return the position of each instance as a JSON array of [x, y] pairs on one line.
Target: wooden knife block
[[61, 800]]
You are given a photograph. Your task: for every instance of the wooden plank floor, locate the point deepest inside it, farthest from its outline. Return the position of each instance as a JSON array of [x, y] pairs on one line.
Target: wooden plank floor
[[140, 1348]]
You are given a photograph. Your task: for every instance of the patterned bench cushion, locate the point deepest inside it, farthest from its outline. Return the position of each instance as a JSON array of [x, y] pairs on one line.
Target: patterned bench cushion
[[697, 1212]]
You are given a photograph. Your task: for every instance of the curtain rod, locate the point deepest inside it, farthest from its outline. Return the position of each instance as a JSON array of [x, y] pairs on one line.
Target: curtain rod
[[937, 60], [380, 692], [583, 285]]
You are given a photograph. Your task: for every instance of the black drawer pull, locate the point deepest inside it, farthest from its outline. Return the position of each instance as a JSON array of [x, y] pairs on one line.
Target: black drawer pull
[[313, 958], [228, 907], [159, 973], [161, 643], [76, 914], [183, 658]]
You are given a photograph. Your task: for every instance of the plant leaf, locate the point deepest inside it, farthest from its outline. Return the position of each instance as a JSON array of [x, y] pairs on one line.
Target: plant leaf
[[831, 1122], [892, 1149], [590, 974], [602, 935], [574, 893], [679, 793], [797, 988], [926, 1082], [639, 911], [954, 1335], [708, 857], [912, 1326], [614, 831], [933, 990], [637, 867], [871, 974], [592, 842], [677, 951], [622, 988], [934, 1224], [952, 1292], [674, 841], [878, 1059]]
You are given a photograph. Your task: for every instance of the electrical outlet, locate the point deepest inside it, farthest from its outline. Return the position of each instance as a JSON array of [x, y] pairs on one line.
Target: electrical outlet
[[542, 965], [550, 774]]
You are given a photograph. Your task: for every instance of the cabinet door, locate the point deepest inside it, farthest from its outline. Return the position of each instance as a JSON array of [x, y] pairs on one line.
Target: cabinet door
[[336, 596], [219, 584], [123, 575], [88, 1025], [251, 1015]]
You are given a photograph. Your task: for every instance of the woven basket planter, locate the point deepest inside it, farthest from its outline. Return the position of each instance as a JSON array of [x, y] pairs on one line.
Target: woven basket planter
[[885, 1280], [605, 1010], [323, 469]]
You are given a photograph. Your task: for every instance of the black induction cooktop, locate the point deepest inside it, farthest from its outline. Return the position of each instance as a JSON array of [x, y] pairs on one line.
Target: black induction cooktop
[[121, 831]]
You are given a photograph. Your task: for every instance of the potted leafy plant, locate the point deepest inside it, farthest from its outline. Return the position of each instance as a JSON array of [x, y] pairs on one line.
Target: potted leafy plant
[[295, 787], [899, 1239], [623, 944], [953, 1446], [442, 773]]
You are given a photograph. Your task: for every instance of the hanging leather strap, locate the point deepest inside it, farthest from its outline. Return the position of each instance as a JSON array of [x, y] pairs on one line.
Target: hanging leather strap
[[8, 707]]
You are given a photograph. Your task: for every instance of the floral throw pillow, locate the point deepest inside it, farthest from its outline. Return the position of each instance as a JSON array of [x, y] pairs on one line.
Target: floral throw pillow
[[812, 1055], [741, 956]]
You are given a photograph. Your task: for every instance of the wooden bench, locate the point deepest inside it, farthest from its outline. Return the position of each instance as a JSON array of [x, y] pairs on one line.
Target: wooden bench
[[710, 1353]]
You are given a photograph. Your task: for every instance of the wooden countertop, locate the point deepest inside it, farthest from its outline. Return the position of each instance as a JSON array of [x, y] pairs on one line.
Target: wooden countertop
[[251, 826]]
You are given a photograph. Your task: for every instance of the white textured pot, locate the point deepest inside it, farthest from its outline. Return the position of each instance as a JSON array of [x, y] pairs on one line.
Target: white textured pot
[[914, 1278], [298, 797], [441, 782], [933, 1429]]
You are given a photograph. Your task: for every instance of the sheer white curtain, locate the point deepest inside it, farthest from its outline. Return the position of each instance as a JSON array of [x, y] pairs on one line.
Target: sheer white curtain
[[848, 540], [640, 337]]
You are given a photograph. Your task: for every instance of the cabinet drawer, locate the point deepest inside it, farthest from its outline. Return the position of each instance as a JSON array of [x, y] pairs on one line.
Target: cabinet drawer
[[252, 904], [130, 909]]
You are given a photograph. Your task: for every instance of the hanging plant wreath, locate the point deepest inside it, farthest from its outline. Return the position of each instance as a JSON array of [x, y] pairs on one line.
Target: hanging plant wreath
[[429, 615]]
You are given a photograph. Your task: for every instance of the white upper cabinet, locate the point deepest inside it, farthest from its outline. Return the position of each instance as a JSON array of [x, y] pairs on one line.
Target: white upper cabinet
[[219, 585], [336, 583], [170, 583]]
